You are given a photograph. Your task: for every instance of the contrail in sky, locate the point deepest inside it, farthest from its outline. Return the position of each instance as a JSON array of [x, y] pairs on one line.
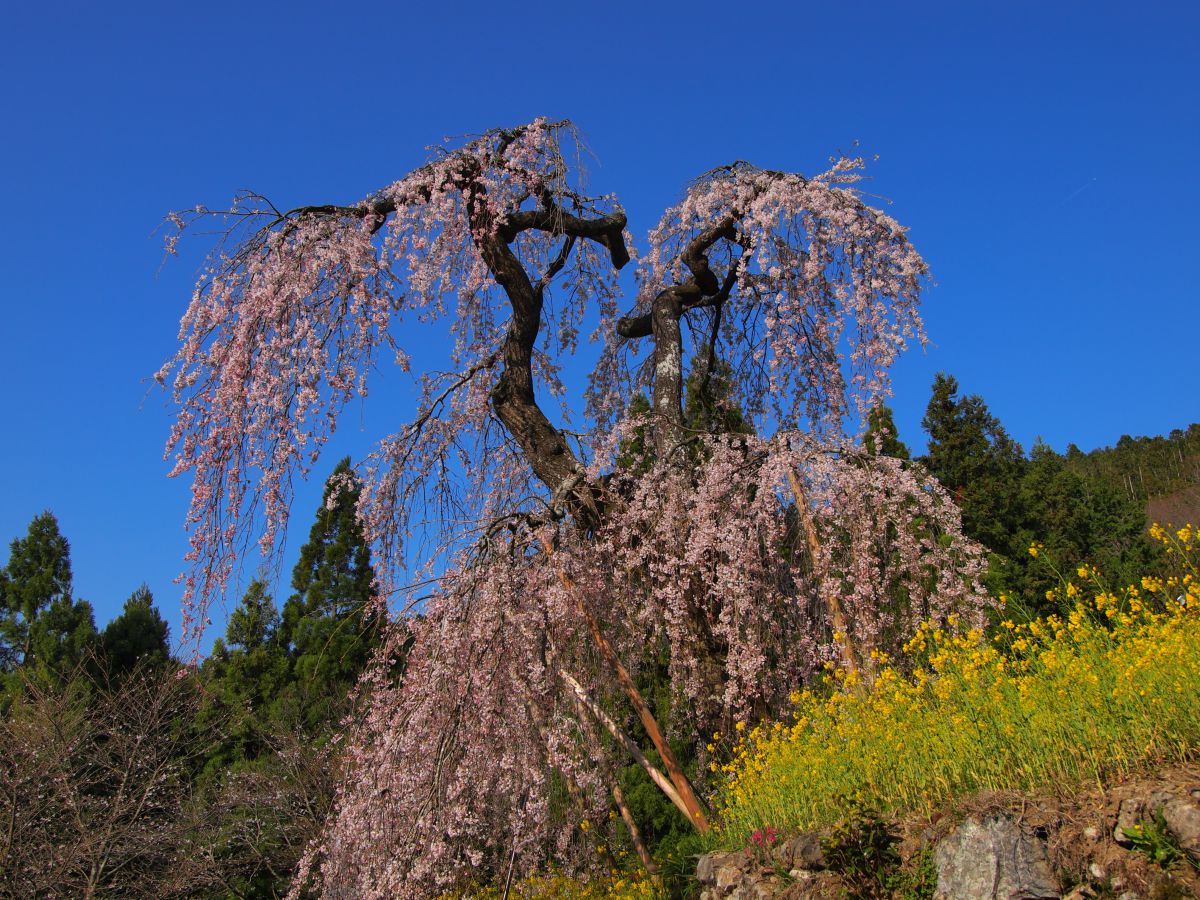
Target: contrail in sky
[[1071, 196]]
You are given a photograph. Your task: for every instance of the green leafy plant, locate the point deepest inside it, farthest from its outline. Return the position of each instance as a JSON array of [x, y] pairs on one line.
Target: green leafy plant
[[1151, 838], [862, 849], [915, 881]]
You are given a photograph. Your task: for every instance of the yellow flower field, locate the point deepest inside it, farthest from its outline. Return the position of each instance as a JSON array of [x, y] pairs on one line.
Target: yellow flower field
[[1111, 685]]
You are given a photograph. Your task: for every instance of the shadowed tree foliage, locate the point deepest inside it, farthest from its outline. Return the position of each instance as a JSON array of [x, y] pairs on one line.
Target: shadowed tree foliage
[[973, 457], [43, 629], [330, 625], [1078, 518], [38, 573], [138, 635], [245, 673], [283, 683], [1009, 500]]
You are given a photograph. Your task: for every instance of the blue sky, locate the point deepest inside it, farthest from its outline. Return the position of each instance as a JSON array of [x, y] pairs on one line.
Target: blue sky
[[1043, 154]]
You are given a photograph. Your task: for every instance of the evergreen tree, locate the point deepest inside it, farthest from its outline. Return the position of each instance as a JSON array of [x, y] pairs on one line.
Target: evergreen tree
[[61, 639], [1078, 519], [282, 682], [138, 634], [1009, 501], [881, 437], [973, 457], [44, 632], [329, 625], [709, 405], [246, 673], [636, 452], [38, 574]]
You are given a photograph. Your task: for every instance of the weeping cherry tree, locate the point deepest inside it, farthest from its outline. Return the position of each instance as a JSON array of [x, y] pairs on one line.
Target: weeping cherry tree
[[746, 560]]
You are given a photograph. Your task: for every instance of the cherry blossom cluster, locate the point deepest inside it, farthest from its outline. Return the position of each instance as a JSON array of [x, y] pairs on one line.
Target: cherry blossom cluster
[[283, 330], [456, 766], [827, 287]]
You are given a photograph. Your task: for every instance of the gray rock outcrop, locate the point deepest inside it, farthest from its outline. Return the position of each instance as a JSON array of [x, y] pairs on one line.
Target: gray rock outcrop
[[993, 858]]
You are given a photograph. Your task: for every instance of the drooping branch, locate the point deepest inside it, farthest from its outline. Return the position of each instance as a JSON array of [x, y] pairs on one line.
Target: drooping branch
[[817, 291], [286, 321], [587, 704], [690, 802], [811, 294]]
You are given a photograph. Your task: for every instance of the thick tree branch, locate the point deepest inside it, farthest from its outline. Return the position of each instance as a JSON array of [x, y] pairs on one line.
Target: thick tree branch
[[608, 231], [683, 787], [702, 289], [585, 701]]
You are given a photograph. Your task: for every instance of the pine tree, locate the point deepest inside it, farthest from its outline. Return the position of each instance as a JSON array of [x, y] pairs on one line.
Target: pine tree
[[138, 635], [709, 404], [43, 630], [283, 682], [1078, 519], [1009, 501], [38, 574], [61, 639], [246, 672], [973, 457], [329, 624]]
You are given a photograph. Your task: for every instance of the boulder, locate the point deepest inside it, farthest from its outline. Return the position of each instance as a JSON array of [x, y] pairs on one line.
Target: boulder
[[1182, 818], [993, 858], [721, 874], [803, 852]]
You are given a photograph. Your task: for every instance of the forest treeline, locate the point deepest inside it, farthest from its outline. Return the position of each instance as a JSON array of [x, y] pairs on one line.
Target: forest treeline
[[126, 772], [129, 773]]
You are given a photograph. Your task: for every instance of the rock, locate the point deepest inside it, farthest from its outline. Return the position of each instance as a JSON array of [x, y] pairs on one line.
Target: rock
[[1096, 871], [1092, 833], [803, 852], [1129, 814], [1080, 892], [728, 877], [992, 858], [711, 864], [1182, 818]]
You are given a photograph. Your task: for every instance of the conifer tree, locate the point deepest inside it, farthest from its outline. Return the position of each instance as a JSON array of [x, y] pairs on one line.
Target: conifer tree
[[43, 629], [329, 625], [1008, 501], [61, 639], [973, 457], [38, 574], [881, 437], [138, 634], [1079, 519], [247, 671]]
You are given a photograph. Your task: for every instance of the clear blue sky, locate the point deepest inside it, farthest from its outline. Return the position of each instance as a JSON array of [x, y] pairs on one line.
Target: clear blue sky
[[1043, 153]]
